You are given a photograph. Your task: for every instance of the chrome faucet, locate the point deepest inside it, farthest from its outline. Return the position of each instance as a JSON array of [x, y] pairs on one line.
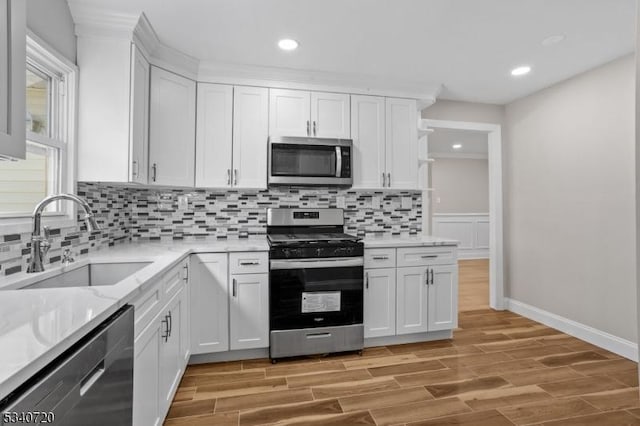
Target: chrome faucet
[[40, 245]]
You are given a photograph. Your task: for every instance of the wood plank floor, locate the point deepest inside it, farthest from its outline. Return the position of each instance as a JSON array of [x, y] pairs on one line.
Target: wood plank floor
[[473, 287], [499, 369]]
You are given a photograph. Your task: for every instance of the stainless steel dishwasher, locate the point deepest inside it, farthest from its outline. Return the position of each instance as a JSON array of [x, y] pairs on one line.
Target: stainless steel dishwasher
[[89, 384]]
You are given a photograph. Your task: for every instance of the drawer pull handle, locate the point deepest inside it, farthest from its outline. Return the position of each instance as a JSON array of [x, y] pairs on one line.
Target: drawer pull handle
[[318, 335], [366, 279], [249, 263], [429, 256], [380, 258]]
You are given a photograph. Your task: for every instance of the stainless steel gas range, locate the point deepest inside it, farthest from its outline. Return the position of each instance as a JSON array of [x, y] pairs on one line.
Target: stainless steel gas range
[[316, 283]]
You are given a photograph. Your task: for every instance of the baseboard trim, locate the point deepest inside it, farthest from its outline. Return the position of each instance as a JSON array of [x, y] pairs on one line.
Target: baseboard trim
[[407, 338], [615, 344], [229, 356]]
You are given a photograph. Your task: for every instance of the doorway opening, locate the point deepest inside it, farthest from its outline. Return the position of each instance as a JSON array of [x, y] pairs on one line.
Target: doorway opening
[[479, 232]]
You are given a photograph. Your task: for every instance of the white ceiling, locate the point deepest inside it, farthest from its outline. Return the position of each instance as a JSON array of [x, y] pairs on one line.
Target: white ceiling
[[469, 46], [473, 142]]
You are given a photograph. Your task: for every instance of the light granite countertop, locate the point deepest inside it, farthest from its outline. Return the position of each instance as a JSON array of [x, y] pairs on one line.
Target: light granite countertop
[[37, 325], [410, 241]]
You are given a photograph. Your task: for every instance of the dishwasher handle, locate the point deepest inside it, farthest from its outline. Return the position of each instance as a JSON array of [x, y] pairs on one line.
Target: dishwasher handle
[[92, 378]]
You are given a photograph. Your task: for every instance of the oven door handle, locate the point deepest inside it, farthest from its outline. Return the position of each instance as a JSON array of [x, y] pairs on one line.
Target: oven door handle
[[338, 161], [336, 262]]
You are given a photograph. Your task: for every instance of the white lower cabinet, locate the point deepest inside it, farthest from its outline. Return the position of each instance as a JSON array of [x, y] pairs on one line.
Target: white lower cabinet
[[209, 303], [146, 375], [443, 297], [412, 300], [380, 302], [161, 349], [249, 311]]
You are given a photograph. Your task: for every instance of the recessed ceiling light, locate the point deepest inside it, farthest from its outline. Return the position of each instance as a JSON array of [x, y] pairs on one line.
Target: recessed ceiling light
[[456, 146], [288, 44], [521, 70], [554, 39]]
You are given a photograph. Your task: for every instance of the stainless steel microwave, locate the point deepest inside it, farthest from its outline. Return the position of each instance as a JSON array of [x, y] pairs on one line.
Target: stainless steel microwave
[[303, 161]]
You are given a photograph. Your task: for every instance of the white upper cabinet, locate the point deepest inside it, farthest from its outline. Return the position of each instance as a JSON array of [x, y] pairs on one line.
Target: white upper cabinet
[[330, 115], [289, 113], [232, 135], [113, 118], [315, 114], [368, 133], [139, 117], [401, 144], [250, 137], [172, 129], [214, 135], [12, 78]]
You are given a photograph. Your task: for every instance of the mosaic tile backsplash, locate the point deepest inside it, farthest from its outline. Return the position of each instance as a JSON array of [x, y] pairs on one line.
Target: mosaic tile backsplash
[[150, 214]]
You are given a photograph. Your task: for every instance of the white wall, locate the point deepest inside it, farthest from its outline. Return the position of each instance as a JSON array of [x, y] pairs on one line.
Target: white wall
[[570, 208], [461, 185], [51, 21]]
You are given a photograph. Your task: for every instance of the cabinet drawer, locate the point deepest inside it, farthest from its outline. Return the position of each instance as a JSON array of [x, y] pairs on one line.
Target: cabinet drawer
[[422, 256], [248, 263], [147, 307], [380, 258]]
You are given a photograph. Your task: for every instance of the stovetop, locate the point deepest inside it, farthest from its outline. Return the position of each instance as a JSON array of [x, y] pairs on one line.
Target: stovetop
[[312, 238]]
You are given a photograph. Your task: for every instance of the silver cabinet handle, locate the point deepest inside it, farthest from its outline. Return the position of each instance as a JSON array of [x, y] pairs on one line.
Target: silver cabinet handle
[[186, 272], [170, 323], [429, 256], [165, 336], [249, 263], [431, 275], [134, 167], [235, 287], [427, 280], [314, 127], [389, 180], [155, 171], [228, 176], [366, 280], [384, 182], [235, 177], [308, 129], [380, 257]]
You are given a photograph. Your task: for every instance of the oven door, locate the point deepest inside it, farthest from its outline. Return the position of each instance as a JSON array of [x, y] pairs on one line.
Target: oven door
[[300, 161], [306, 293]]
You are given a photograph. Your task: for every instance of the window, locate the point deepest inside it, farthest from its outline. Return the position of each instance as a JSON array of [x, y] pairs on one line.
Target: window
[[47, 169]]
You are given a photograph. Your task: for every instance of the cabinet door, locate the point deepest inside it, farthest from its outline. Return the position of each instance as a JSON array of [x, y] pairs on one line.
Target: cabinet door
[[171, 368], [185, 317], [330, 115], [289, 113], [411, 302], [13, 26], [209, 303], [402, 144], [380, 302], [368, 133], [139, 117], [172, 129], [249, 311], [146, 375], [250, 137], [443, 298], [213, 135]]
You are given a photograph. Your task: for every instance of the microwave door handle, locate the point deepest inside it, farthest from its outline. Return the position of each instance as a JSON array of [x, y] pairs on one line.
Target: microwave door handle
[[338, 161]]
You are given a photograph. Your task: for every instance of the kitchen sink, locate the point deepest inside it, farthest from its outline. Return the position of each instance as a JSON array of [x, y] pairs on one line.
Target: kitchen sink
[[92, 274]]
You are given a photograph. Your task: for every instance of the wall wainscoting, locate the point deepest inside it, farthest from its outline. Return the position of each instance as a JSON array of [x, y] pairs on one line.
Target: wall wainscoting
[[472, 230]]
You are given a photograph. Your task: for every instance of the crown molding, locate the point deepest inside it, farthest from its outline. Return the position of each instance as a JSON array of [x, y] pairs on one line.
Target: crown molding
[[287, 78]]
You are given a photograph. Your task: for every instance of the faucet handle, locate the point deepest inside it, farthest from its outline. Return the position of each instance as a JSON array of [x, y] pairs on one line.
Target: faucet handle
[[47, 232], [67, 256]]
